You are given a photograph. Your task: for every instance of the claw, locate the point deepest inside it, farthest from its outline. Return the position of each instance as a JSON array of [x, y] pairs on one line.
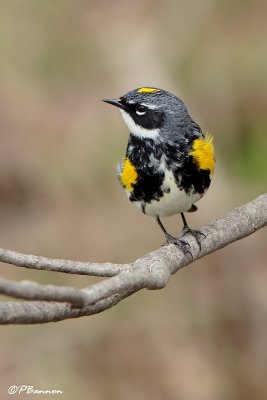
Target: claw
[[195, 233], [182, 244]]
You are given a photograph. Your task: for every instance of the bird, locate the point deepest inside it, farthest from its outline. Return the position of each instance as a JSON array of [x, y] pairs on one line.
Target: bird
[[169, 161]]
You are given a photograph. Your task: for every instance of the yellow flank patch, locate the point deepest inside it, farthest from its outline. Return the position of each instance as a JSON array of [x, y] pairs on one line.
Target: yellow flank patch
[[128, 175], [203, 153], [147, 90]]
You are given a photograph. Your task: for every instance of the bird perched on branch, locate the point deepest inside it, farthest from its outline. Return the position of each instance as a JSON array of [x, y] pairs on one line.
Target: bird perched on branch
[[169, 161]]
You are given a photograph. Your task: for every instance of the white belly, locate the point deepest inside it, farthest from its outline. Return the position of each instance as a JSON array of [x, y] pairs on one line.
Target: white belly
[[173, 201]]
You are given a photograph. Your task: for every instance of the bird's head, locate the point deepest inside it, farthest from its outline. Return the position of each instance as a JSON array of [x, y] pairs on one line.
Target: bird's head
[[152, 113]]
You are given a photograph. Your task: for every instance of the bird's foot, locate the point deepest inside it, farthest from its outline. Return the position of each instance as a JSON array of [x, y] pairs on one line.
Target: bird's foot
[[195, 233], [182, 244]]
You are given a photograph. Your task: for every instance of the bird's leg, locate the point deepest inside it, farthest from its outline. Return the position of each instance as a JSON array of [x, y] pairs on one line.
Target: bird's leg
[[194, 232], [183, 245]]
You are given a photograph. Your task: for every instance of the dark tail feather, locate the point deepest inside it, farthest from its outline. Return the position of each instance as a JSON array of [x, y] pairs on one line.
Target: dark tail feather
[[192, 209]]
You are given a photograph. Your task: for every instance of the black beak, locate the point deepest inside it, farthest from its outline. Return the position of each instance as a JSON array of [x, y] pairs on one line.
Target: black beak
[[116, 103]]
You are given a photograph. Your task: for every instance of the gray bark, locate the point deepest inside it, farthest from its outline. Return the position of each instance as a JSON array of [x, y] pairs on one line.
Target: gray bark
[[47, 303]]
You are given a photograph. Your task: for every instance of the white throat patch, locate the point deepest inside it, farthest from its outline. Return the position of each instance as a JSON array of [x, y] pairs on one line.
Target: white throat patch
[[137, 130]]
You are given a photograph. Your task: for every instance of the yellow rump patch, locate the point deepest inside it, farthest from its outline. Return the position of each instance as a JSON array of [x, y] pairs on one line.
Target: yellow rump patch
[[147, 90], [203, 153], [128, 175]]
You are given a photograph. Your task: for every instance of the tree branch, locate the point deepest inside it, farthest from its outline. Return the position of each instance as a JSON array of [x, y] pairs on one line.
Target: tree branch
[[51, 303]]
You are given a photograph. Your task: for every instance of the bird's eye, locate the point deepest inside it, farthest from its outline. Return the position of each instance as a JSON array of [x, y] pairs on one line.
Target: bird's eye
[[141, 110]]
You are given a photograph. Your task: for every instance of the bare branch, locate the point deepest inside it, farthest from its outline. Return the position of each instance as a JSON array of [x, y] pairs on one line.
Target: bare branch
[[33, 291], [56, 265], [152, 271]]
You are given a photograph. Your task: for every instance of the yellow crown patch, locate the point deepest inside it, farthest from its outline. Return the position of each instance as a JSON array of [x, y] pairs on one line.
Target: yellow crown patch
[[147, 90]]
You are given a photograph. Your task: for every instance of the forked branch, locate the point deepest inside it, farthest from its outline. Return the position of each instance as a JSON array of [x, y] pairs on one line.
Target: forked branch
[[47, 303]]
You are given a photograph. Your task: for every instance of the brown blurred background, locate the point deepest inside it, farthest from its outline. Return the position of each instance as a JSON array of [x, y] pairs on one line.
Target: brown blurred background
[[204, 336]]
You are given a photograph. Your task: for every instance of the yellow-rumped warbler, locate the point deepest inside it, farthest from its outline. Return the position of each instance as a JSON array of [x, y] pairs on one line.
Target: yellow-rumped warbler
[[169, 162]]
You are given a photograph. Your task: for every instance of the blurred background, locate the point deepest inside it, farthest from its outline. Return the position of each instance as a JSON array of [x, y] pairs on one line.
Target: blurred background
[[205, 335]]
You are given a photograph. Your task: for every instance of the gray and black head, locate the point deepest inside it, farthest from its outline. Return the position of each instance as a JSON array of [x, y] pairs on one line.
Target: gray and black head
[[154, 113]]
